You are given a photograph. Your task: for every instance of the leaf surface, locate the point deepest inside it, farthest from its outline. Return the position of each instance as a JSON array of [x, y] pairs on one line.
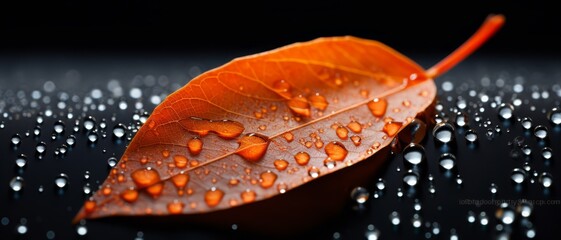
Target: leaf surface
[[264, 124]]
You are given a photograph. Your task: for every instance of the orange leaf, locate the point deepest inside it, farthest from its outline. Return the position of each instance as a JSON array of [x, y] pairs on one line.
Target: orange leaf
[[265, 124]]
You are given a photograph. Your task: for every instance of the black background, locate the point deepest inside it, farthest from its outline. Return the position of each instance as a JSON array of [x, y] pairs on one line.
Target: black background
[[163, 26], [42, 41]]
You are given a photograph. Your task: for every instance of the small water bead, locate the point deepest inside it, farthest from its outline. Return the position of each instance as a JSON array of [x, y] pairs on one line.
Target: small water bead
[[21, 228], [493, 188], [459, 180], [505, 213], [443, 132], [471, 136], [525, 208], [267, 179], [518, 175], [416, 220], [213, 197], [21, 160], [37, 131], [119, 130], [302, 158], [462, 119], [16, 184], [16, 139], [417, 205], [92, 137], [81, 230], [145, 177], [336, 151], [252, 147], [471, 216], [526, 150], [360, 195], [61, 181], [41, 147], [89, 123], [378, 107], [86, 175], [313, 172], [526, 123], [483, 219], [87, 189], [381, 184], [540, 132], [447, 161], [394, 218], [546, 179], [411, 178], [195, 145], [318, 101], [554, 116], [112, 161], [342, 132], [300, 106], [372, 233], [59, 127], [547, 153], [506, 111]]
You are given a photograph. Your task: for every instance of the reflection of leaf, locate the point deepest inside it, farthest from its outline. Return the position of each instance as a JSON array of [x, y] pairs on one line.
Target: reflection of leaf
[[264, 124]]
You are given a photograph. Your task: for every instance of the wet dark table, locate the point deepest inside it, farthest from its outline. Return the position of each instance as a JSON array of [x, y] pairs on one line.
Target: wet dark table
[[41, 90]]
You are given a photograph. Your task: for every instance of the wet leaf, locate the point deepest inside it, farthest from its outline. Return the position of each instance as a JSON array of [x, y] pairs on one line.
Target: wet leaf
[[262, 125]]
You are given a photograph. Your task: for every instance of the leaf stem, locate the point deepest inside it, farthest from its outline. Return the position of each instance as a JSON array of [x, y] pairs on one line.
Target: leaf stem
[[487, 29]]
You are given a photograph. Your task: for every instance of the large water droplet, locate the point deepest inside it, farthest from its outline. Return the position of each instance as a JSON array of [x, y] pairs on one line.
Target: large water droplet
[[112, 161], [506, 111], [302, 158], [378, 107], [61, 181], [267, 179], [21, 160], [505, 213], [413, 154], [443, 132], [16, 184], [540, 132], [447, 161], [213, 197], [546, 179], [554, 116], [300, 106], [252, 147], [145, 177], [226, 129], [411, 178], [547, 153], [336, 151], [360, 195], [119, 130], [342, 132], [518, 175]]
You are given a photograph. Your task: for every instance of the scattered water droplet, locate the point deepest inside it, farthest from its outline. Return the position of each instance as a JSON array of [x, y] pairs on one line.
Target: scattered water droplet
[[92, 137], [413, 154], [493, 188], [129, 195], [360, 195], [540, 132], [16, 139], [416, 220], [378, 107], [175, 207], [89, 123], [411, 178], [21, 160], [392, 128], [318, 101], [59, 127], [16, 184], [302, 158], [471, 216], [145, 177], [471, 136], [267, 179], [87, 189], [414, 132], [505, 213], [462, 119], [119, 130], [546, 179], [443, 132], [394, 218], [526, 123], [355, 126], [61, 181], [252, 147], [372, 233], [518, 175], [313, 172], [336, 151], [547, 153], [483, 219], [213, 197], [506, 111], [41, 147], [447, 161], [71, 140], [300, 106], [342, 132], [82, 230], [554, 116], [525, 208], [526, 150], [112, 162], [381, 184], [195, 145]]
